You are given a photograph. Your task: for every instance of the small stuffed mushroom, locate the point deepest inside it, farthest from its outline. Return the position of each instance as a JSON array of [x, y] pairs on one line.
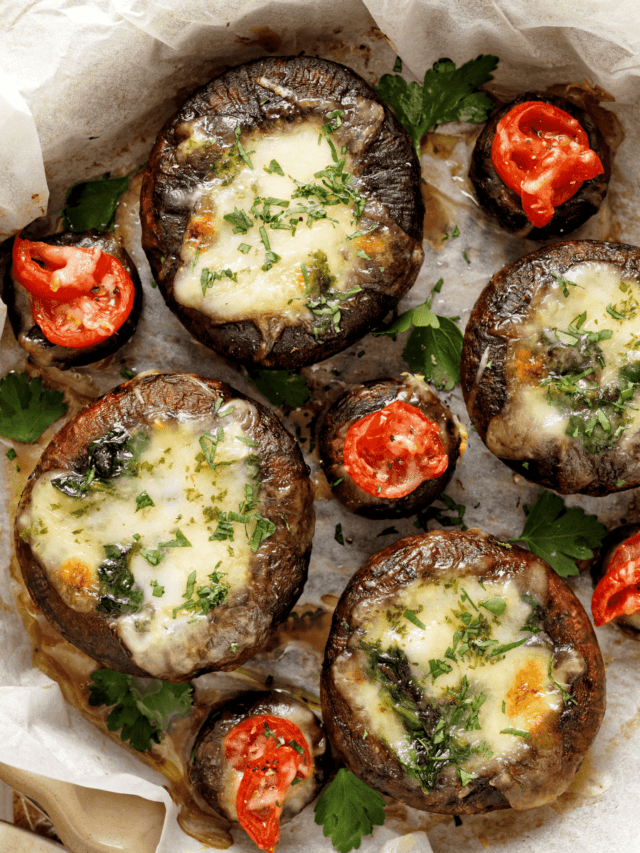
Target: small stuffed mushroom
[[540, 166], [616, 576], [259, 760], [550, 371], [462, 675], [389, 447], [281, 211], [98, 314], [166, 530]]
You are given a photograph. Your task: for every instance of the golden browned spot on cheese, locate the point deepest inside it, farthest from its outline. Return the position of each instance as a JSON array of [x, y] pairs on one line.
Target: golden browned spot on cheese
[[76, 573], [525, 699], [372, 244], [529, 367]]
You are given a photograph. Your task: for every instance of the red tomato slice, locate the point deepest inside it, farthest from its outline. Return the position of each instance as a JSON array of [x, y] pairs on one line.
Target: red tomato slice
[[543, 153], [389, 453], [618, 592], [271, 752], [79, 297]]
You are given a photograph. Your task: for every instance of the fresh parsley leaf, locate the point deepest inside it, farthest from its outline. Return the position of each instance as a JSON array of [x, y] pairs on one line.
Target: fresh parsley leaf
[[92, 204], [281, 387], [397, 65], [347, 810], [142, 707], [338, 536], [558, 535], [158, 589], [436, 353], [434, 347], [120, 595], [274, 166], [27, 408], [446, 94]]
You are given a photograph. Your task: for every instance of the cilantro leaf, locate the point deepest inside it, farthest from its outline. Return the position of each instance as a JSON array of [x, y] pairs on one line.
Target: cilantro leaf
[[281, 387], [347, 810], [142, 707], [558, 535], [27, 408], [447, 94], [92, 204]]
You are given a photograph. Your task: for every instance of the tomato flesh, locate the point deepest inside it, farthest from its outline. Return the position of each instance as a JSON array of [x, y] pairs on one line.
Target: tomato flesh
[[542, 153], [79, 297], [618, 592], [389, 453], [271, 752]]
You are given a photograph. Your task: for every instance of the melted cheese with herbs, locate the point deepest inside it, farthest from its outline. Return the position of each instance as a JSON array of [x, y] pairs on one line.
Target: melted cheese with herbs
[[236, 259], [508, 688], [594, 300], [167, 512]]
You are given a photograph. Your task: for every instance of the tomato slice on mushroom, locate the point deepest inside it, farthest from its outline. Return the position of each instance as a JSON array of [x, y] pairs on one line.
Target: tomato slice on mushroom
[[543, 153], [618, 592], [272, 754], [389, 453], [79, 296]]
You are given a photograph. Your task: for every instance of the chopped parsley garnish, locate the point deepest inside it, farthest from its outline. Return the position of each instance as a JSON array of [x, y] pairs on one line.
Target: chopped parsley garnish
[[558, 535], [158, 589], [239, 220], [142, 708], [27, 408], [432, 512], [208, 277], [327, 309], [270, 257], [434, 347], [209, 442], [240, 149], [348, 809], [274, 166], [206, 597], [517, 732], [446, 94], [412, 617], [338, 535], [143, 500]]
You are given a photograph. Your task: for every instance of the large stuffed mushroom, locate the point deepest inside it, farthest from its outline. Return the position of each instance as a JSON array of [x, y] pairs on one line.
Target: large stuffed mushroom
[[281, 211], [526, 162], [550, 370], [462, 675], [259, 759], [113, 315], [389, 447], [166, 530]]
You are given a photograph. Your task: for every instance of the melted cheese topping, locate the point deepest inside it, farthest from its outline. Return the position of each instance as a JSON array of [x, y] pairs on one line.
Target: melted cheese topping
[[597, 301], [169, 532], [509, 691], [234, 257]]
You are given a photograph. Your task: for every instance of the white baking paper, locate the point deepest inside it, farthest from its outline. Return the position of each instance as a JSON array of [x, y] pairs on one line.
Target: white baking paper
[[97, 80]]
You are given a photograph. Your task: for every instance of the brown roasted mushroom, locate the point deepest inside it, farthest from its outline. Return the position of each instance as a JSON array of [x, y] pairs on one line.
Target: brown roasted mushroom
[[167, 528], [505, 205], [29, 334], [364, 400], [462, 675], [281, 211], [549, 370], [259, 759]]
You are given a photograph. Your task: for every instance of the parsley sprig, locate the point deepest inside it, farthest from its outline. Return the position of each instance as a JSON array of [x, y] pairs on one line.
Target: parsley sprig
[[347, 810], [27, 408], [446, 94], [142, 708], [434, 347], [92, 204], [558, 535]]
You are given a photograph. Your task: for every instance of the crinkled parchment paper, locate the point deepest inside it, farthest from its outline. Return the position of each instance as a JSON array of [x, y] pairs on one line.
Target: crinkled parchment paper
[[84, 88]]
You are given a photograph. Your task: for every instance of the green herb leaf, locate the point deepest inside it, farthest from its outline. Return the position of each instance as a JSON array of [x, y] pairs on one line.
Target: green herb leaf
[[397, 65], [143, 500], [497, 606], [281, 387], [274, 166], [158, 589], [142, 708], [412, 617], [27, 408], [517, 732], [447, 94], [92, 204], [338, 535], [558, 535], [347, 810], [240, 221], [119, 593]]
